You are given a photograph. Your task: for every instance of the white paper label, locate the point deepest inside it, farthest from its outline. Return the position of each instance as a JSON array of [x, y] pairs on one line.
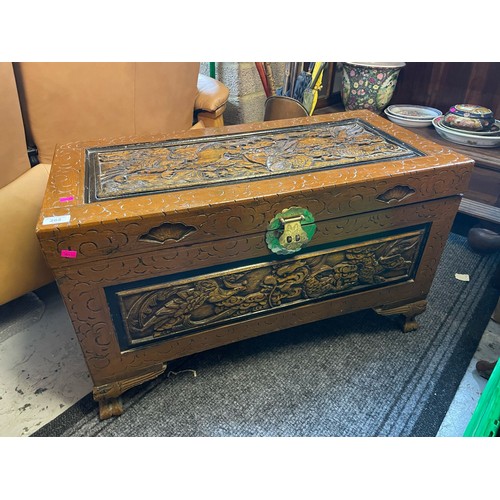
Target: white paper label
[[57, 219]]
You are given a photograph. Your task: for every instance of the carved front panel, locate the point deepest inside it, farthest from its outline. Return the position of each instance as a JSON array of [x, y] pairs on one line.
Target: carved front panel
[[122, 171], [182, 306]]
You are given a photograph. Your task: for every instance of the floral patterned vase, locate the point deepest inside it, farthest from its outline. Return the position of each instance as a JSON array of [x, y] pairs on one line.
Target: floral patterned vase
[[368, 85]]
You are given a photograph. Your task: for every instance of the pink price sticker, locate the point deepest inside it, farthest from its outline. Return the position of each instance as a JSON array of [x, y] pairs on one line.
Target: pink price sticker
[[67, 198], [69, 254]]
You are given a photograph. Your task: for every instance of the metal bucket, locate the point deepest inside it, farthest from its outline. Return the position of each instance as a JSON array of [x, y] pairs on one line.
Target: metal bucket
[[280, 107]]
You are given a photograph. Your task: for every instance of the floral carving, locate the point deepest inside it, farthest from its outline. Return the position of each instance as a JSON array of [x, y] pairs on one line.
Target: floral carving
[[174, 165]]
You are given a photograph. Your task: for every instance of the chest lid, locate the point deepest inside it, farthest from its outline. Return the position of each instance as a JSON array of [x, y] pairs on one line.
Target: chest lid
[[130, 194]]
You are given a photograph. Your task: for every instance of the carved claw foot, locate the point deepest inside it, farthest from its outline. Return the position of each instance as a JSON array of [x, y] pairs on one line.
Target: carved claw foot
[[409, 324], [107, 395], [110, 408], [408, 311]]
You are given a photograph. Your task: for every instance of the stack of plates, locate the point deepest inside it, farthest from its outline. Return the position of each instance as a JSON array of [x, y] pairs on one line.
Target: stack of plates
[[485, 139], [411, 115]]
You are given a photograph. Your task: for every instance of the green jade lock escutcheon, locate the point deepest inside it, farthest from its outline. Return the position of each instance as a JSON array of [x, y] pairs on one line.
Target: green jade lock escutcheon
[[290, 230]]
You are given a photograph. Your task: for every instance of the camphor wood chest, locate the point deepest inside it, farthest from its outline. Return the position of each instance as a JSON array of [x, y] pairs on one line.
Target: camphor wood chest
[[167, 246]]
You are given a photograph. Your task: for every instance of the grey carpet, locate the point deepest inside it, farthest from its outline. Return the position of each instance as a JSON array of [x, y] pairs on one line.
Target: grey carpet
[[356, 375]]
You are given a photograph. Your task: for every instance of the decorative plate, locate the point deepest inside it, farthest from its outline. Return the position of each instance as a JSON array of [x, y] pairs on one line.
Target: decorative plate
[[465, 138], [495, 129]]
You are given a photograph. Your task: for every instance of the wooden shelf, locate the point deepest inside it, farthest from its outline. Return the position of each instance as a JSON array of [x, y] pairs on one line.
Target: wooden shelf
[[487, 157], [482, 198], [480, 210]]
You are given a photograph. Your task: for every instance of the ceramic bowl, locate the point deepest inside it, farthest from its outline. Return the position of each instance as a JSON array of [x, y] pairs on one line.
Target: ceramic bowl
[[465, 138], [469, 117], [413, 111], [407, 121], [471, 110]]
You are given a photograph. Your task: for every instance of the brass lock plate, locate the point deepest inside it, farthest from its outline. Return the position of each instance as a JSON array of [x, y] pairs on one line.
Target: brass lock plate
[[290, 230]]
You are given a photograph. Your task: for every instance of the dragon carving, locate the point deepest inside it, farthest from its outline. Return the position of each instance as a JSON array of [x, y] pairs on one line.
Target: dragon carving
[[187, 305]]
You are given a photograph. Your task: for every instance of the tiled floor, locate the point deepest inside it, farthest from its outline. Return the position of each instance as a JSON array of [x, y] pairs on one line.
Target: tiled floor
[[42, 371]]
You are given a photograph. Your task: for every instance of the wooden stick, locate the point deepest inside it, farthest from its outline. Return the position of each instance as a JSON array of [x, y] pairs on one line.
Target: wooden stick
[[262, 74], [270, 78]]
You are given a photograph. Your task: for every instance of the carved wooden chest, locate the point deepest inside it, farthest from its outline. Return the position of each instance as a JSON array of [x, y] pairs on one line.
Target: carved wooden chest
[[167, 246]]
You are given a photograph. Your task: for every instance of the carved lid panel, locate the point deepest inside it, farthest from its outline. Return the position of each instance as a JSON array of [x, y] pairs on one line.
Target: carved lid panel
[[138, 169]]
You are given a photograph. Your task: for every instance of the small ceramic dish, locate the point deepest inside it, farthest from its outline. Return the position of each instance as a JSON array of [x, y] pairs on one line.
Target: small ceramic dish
[[469, 117], [408, 122], [413, 111], [471, 110], [465, 138]]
